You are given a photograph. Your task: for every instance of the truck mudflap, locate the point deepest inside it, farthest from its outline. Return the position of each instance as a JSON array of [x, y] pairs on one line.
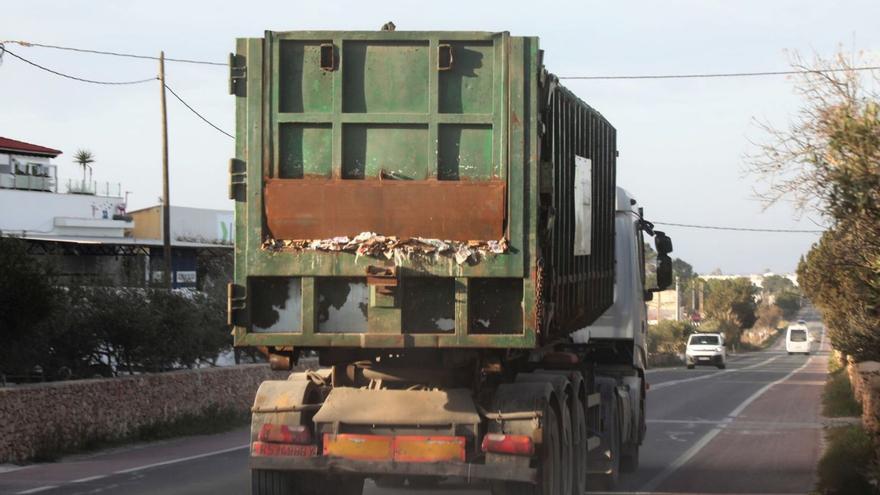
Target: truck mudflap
[[330, 465]]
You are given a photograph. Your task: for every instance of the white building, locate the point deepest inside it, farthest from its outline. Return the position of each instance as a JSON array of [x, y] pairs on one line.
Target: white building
[[89, 230], [31, 207], [756, 279]]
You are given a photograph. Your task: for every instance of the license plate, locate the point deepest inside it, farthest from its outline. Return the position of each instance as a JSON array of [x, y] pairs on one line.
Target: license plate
[[703, 358]]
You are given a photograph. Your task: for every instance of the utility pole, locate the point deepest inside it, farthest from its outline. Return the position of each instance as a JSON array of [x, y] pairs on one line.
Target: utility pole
[[166, 196]]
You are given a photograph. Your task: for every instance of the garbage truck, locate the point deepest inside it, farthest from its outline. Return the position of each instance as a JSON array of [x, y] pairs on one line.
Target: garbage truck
[[436, 218]]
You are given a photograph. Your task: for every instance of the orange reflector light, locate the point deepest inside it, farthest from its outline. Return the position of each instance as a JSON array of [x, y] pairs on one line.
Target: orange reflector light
[[359, 447], [400, 448], [298, 434], [508, 444], [284, 449], [417, 448]]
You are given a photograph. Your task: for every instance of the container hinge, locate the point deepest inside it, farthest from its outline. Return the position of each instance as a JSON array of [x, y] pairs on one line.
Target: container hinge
[[237, 75], [236, 303], [237, 179]]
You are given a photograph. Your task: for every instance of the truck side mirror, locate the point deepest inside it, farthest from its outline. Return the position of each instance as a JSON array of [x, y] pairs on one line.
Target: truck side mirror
[[662, 242], [664, 270]]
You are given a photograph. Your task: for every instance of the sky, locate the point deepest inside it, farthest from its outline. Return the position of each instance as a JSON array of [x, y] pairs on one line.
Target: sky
[[682, 142]]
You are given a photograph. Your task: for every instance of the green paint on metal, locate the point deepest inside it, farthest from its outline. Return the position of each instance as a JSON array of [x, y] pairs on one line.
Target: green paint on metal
[[381, 76], [387, 151], [303, 85], [386, 106], [466, 153], [468, 86], [304, 150]]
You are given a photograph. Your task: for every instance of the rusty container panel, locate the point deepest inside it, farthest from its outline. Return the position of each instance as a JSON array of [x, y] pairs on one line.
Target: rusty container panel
[[320, 209]]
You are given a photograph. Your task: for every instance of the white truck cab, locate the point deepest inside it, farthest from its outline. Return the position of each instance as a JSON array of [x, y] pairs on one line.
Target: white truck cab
[[797, 339], [706, 348]]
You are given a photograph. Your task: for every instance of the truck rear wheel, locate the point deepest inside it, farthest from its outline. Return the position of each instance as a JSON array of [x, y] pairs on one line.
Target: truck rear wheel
[[612, 445], [579, 448], [629, 459], [549, 472], [266, 482]]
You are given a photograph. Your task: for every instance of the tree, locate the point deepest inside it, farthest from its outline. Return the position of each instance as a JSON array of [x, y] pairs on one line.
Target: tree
[[828, 161], [776, 284], [789, 302], [769, 316], [682, 269], [650, 266], [669, 336], [731, 304], [84, 158], [28, 297]]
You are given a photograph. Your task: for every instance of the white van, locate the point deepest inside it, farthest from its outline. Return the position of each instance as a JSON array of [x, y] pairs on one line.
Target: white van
[[797, 339], [706, 348]]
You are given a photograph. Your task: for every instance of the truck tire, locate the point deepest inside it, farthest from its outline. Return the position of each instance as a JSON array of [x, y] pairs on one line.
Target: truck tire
[[629, 458], [549, 472], [265, 482], [608, 481], [566, 464], [579, 448]]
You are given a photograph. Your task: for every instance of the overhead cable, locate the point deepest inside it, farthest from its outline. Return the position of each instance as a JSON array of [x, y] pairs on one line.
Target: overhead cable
[[4, 51], [115, 54], [725, 74], [740, 229], [193, 110]]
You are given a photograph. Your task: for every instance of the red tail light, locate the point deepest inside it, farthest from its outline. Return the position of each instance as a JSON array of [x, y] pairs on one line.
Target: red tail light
[[295, 434], [508, 444]]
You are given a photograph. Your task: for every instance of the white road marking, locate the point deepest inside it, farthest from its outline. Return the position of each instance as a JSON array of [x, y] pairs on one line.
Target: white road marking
[[710, 375], [90, 478], [139, 468], [37, 490], [702, 442], [182, 459]]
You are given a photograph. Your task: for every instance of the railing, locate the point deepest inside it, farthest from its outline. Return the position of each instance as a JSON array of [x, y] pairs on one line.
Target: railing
[[94, 188], [28, 182]]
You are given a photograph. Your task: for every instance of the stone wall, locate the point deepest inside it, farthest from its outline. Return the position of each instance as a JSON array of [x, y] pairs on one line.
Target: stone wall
[[865, 380], [34, 418]]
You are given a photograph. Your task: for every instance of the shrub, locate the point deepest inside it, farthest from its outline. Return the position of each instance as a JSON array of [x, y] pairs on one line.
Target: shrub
[[838, 399], [668, 336], [844, 466]]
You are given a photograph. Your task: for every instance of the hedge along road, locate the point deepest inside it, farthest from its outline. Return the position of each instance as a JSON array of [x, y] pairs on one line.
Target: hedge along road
[[753, 428]]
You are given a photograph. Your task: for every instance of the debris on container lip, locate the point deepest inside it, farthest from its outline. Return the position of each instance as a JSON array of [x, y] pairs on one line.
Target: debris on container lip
[[390, 247]]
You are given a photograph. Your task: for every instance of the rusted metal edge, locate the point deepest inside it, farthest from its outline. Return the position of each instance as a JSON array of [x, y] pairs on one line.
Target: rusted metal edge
[[278, 409]]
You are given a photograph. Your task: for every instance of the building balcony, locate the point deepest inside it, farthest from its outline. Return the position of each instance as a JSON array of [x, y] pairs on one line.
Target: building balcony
[[94, 188], [28, 182]]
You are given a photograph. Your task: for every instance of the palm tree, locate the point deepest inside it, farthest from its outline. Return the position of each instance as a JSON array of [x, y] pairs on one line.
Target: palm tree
[[84, 158]]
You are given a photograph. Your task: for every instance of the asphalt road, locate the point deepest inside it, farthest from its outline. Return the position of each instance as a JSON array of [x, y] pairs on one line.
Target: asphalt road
[[752, 428]]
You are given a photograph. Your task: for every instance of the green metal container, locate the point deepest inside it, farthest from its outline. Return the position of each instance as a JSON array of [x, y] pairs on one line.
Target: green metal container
[[402, 189]]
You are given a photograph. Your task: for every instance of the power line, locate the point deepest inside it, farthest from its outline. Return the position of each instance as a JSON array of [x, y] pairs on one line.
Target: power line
[[4, 50], [193, 110], [594, 78], [740, 229], [29, 44], [724, 74]]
